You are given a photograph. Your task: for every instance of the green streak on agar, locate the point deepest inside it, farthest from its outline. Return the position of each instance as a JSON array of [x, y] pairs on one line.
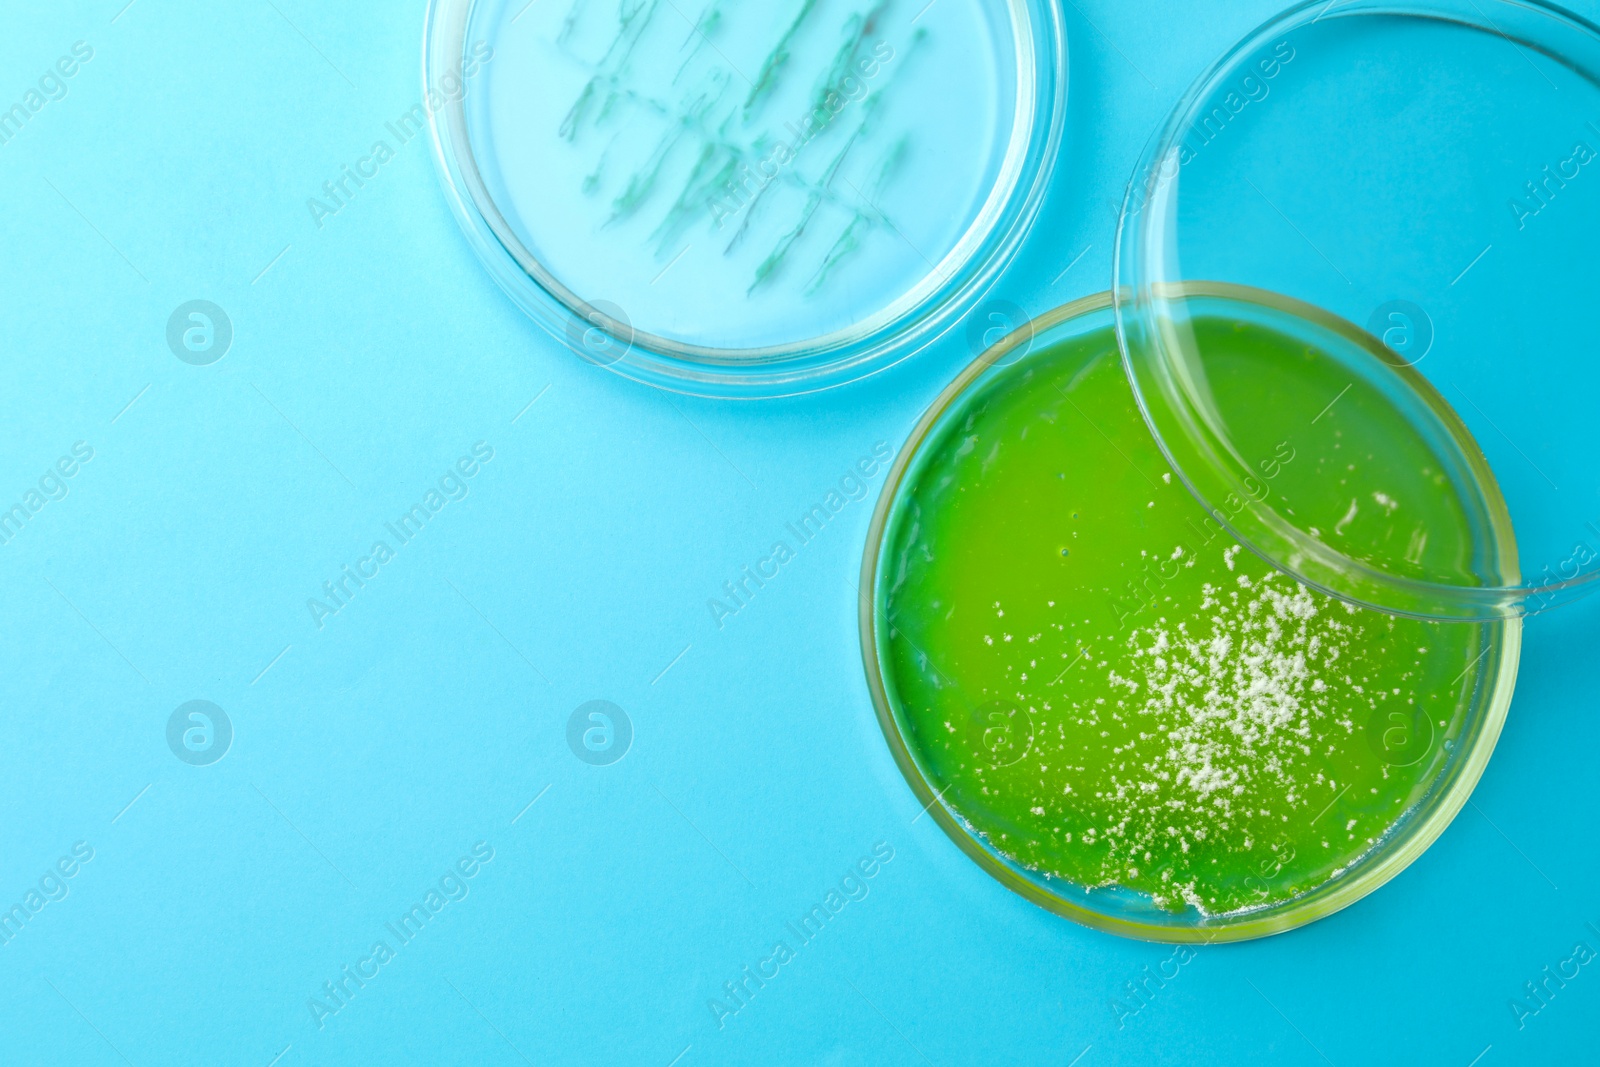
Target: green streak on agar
[[849, 240], [773, 65], [643, 181], [775, 257]]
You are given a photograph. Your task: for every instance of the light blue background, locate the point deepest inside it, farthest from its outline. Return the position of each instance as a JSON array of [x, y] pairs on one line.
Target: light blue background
[[424, 717]]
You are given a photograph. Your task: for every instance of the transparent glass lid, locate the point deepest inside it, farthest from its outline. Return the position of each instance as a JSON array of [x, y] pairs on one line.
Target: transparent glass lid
[[1356, 273], [744, 196]]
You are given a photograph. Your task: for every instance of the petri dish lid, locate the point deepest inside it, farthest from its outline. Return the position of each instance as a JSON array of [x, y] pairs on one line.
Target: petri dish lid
[[745, 198], [1354, 271]]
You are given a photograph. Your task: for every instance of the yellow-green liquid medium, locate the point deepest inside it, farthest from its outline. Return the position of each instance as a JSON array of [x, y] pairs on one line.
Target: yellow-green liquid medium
[[1107, 690]]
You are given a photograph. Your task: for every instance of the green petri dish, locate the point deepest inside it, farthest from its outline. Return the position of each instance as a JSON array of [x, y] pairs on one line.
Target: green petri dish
[[1116, 709]]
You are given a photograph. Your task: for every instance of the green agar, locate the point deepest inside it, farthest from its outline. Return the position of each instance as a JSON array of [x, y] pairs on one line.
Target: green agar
[[1106, 689]]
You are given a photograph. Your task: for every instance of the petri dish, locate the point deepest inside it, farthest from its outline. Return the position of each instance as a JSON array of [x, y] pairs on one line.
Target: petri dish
[[745, 199], [1421, 178], [1114, 709]]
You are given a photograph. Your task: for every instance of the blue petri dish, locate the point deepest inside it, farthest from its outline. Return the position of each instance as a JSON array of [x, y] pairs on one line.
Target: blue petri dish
[[741, 199]]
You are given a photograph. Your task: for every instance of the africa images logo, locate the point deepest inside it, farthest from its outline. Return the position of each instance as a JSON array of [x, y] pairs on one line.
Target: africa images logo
[[199, 733], [199, 333], [599, 733]]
